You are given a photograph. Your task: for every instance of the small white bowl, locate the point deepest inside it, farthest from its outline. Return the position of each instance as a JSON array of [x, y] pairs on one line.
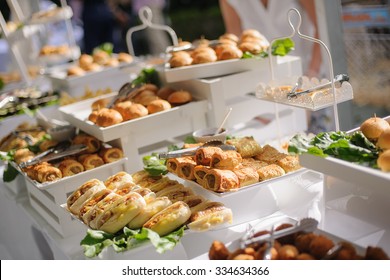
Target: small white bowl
[[207, 134], [62, 133]]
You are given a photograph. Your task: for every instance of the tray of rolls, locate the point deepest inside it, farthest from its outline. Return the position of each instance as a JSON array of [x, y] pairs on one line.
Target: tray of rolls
[[309, 244], [138, 114], [205, 58], [242, 178]]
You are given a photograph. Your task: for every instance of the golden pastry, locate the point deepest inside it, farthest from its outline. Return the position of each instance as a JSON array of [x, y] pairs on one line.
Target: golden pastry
[[70, 167], [110, 154], [91, 161]]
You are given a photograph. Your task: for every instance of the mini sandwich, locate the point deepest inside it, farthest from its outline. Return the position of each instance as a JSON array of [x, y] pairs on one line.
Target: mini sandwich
[[121, 213], [117, 180], [169, 219], [176, 194], [91, 202], [76, 200], [193, 200], [151, 209], [208, 215], [161, 184]]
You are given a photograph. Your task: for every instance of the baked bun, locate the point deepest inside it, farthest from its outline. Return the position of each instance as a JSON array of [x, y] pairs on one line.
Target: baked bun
[[111, 154], [100, 103], [107, 117], [47, 144], [93, 144], [373, 127], [251, 47], [70, 167], [100, 57], [179, 97], [47, 173], [112, 62], [169, 219], [158, 105], [152, 208], [118, 180], [93, 116], [92, 201], [145, 97], [252, 33], [164, 92], [125, 57], [75, 71], [384, 161], [383, 142], [76, 200], [23, 155], [210, 215], [121, 213], [193, 200], [85, 59], [177, 194], [229, 52], [205, 57], [91, 161], [134, 111], [180, 59], [229, 36]]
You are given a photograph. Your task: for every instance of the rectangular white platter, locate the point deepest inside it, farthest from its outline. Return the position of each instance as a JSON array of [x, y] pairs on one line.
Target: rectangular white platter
[[147, 130]]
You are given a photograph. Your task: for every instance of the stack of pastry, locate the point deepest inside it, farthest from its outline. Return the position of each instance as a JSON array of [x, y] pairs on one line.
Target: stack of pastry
[[148, 99], [223, 171], [138, 200]]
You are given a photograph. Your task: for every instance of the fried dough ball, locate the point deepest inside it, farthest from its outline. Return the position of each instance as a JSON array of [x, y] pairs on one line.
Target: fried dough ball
[[303, 240], [218, 251], [320, 245], [288, 252]]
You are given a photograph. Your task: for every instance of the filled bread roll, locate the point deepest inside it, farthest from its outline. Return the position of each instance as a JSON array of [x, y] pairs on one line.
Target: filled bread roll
[[152, 208], [146, 193], [270, 171], [32, 170], [133, 111], [92, 143], [75, 71], [91, 217], [93, 116], [139, 176], [219, 180], [144, 97], [76, 200], [173, 164], [251, 47], [47, 144], [85, 59], [226, 52], [158, 105], [100, 57], [92, 201], [70, 167], [186, 169], [229, 36], [107, 117], [125, 57], [93, 67], [110, 154], [119, 215], [47, 173], [289, 163], [179, 97], [210, 215], [247, 146], [119, 179], [204, 57], [226, 160], [169, 219], [253, 163], [111, 62], [164, 92], [203, 155], [180, 59], [161, 184], [171, 187], [176, 194], [91, 161], [247, 176], [99, 104], [23, 155], [199, 172], [193, 200]]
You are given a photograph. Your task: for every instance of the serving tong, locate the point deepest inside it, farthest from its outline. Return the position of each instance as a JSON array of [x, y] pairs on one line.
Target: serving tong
[[192, 151], [306, 225], [338, 80], [127, 91], [191, 46]]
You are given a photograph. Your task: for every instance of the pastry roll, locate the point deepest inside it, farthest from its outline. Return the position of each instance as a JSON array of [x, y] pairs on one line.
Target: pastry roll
[[269, 154], [246, 146], [110, 154], [247, 176], [173, 164], [148, 181], [161, 184], [139, 176], [176, 194], [119, 179], [92, 201], [210, 215], [270, 171], [146, 193], [47, 173], [91, 161], [70, 167], [47, 144], [220, 180], [151, 209], [193, 200], [289, 163], [199, 172], [186, 169], [226, 160], [120, 214], [93, 144], [23, 155], [251, 162], [203, 155], [76, 200]]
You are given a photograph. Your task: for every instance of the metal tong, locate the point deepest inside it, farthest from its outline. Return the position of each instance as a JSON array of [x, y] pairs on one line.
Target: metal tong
[[306, 225], [128, 90], [192, 151], [338, 80]]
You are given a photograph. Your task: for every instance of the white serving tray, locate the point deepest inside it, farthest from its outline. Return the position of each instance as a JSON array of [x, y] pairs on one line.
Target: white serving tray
[[149, 129], [213, 69], [62, 13]]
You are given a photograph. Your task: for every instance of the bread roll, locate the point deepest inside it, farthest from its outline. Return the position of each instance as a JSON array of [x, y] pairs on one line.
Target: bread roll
[[133, 111], [164, 92], [70, 167], [85, 59], [384, 161], [229, 36], [93, 116], [92, 143], [119, 179], [373, 127], [108, 117], [92, 201], [226, 160], [383, 142], [169, 219], [204, 57], [23, 155], [75, 71], [180, 97], [100, 57], [111, 154], [92, 67], [91, 217], [125, 57], [229, 52], [180, 59], [47, 144], [210, 216], [100, 103], [221, 180], [251, 47], [91, 161], [158, 105]]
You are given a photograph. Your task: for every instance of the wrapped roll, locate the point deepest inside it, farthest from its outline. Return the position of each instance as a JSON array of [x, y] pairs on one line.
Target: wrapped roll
[[92, 216], [92, 201], [110, 154], [270, 171], [220, 180], [226, 160], [203, 155], [91, 161], [247, 176], [76, 200], [193, 200], [186, 169], [151, 209], [119, 179], [161, 184], [147, 194], [246, 146], [70, 167], [176, 194], [169, 219], [47, 173], [209, 215], [23, 155], [199, 172], [173, 164], [120, 214], [93, 144]]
